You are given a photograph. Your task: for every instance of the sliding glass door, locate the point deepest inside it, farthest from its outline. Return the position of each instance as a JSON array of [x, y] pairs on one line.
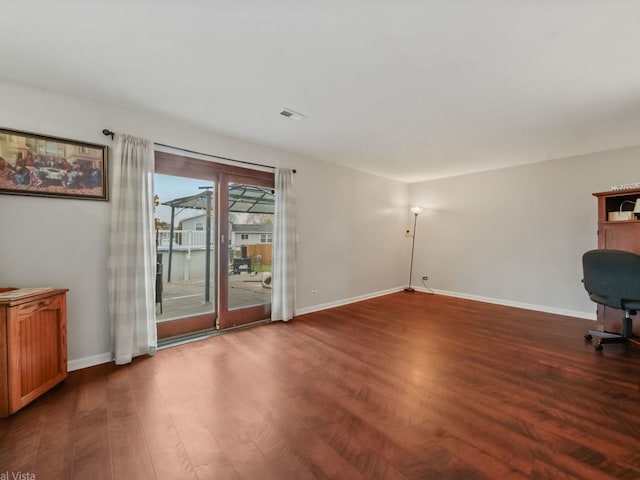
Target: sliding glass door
[[214, 227], [186, 279], [245, 286]]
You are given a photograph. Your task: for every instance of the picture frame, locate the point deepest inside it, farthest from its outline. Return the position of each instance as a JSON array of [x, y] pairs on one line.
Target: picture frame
[[39, 165]]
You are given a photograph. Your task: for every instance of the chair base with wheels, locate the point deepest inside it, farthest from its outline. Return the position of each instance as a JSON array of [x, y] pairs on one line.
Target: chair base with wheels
[[625, 337]]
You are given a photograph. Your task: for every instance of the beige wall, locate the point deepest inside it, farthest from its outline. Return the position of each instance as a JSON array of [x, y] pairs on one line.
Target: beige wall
[[345, 218], [513, 235], [516, 235]]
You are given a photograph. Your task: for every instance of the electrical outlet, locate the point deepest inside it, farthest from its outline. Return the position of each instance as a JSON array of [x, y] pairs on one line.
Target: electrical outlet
[[425, 278]]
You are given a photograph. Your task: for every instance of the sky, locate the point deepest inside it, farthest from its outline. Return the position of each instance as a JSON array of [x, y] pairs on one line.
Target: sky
[[168, 187]]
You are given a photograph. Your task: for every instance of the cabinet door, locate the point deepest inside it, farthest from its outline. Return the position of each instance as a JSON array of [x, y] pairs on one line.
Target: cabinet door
[[37, 351], [618, 236]]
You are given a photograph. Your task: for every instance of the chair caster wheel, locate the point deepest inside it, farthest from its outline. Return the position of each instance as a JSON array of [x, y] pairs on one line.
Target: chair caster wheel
[[588, 337], [598, 347]]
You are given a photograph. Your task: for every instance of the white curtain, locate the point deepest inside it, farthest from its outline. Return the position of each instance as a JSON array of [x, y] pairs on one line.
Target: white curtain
[[284, 248], [131, 256]]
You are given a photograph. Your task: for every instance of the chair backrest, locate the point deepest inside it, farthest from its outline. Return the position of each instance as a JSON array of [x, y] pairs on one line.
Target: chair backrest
[[612, 277]]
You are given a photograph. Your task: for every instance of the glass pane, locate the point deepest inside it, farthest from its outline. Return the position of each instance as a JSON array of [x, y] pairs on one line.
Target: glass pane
[[250, 241], [185, 241]]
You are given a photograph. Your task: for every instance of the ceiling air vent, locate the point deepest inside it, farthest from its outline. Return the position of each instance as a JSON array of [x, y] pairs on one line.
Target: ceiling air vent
[[291, 114]]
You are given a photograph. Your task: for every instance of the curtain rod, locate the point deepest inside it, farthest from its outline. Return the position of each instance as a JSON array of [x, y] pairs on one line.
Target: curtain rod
[[109, 133]]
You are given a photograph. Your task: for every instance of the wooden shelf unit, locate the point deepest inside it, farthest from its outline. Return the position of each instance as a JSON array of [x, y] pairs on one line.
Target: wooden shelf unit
[[33, 347], [617, 235]]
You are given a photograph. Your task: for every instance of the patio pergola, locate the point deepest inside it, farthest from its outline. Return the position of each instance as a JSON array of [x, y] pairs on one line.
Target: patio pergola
[[242, 199], [250, 199]]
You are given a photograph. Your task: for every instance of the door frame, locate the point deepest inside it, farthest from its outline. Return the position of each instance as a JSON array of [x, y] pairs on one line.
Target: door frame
[[219, 174]]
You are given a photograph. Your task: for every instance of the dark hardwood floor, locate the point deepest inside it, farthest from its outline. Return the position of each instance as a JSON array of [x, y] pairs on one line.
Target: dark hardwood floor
[[406, 386]]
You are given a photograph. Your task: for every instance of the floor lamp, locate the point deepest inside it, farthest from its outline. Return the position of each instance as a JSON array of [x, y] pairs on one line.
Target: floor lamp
[[416, 211]]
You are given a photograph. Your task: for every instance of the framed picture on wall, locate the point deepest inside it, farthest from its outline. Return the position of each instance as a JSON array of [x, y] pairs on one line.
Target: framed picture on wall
[[32, 164]]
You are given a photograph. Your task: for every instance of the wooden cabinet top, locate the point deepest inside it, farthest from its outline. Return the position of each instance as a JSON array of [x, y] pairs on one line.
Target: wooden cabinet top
[[618, 193], [29, 295]]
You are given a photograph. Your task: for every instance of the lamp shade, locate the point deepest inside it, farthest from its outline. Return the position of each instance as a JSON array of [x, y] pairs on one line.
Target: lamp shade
[[636, 209], [417, 210]]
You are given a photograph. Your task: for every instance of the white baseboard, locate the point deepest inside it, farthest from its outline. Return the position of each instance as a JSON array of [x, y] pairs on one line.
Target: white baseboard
[[509, 303], [497, 301], [91, 361], [99, 359], [346, 301]]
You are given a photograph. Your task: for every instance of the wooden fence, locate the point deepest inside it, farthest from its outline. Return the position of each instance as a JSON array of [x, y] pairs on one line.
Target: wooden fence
[[263, 249]]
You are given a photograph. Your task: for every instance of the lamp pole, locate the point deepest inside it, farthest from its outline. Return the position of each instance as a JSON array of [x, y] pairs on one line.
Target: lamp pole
[[416, 211]]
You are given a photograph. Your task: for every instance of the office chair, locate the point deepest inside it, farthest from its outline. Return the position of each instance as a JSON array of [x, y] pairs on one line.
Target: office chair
[[612, 279]]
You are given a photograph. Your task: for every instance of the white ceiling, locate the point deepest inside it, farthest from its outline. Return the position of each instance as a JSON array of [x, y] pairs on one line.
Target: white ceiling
[[410, 90]]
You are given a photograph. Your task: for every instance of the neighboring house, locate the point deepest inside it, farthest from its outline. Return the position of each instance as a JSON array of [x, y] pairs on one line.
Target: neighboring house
[[192, 234], [241, 234], [250, 234], [197, 223]]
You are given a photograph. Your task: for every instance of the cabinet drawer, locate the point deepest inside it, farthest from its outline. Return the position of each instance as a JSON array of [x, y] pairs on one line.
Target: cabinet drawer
[[49, 303]]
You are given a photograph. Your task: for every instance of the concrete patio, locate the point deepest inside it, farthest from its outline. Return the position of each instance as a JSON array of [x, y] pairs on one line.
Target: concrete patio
[[183, 298]]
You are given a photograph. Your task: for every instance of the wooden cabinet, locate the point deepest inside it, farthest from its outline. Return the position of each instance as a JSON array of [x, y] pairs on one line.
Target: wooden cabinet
[[33, 346], [617, 235]]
